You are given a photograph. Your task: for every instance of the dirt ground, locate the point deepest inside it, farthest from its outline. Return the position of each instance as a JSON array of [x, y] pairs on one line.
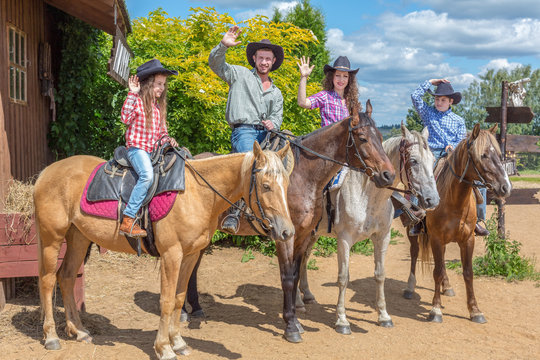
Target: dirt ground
[[243, 303]]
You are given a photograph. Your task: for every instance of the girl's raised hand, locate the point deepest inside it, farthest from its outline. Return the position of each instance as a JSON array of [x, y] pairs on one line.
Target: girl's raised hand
[[229, 39], [134, 85], [305, 69]]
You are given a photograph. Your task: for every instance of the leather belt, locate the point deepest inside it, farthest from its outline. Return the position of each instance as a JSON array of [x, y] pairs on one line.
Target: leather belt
[[256, 127]]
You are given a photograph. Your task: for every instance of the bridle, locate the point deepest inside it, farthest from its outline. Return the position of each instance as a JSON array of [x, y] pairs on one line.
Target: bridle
[[481, 180], [351, 142], [404, 164]]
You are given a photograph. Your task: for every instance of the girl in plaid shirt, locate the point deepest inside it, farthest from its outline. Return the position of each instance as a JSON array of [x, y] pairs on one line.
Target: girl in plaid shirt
[[144, 112]]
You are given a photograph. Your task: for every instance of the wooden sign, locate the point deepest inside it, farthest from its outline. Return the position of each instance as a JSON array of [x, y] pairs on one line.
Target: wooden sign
[[523, 143], [118, 64], [515, 115]]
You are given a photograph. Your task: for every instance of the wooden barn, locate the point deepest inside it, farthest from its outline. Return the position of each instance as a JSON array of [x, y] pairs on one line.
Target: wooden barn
[[30, 57]]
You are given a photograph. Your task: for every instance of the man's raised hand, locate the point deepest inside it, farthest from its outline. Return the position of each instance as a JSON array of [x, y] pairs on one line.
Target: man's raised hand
[[229, 39]]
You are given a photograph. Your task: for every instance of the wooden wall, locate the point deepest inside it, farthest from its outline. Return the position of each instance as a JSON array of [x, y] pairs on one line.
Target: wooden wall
[[26, 125]]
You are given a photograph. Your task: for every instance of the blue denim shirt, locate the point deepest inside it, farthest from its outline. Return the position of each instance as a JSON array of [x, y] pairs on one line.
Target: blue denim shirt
[[445, 128]]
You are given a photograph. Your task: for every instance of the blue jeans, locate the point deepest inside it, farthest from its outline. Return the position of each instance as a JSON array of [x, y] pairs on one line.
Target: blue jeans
[[140, 160], [480, 208], [242, 138]]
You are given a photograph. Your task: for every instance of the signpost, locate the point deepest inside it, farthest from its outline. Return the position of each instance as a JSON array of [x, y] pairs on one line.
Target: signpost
[[118, 64]]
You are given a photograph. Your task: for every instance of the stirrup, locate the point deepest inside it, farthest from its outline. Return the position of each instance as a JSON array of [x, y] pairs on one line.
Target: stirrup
[[234, 228]]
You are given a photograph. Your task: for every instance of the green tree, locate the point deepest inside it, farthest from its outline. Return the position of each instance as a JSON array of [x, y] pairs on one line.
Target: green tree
[[197, 97], [305, 16], [487, 92]]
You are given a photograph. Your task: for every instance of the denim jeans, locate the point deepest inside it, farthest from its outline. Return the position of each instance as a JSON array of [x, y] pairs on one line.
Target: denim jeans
[[242, 138], [480, 208], [140, 160]]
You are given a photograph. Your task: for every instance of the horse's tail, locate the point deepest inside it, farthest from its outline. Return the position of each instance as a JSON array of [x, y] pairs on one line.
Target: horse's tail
[[424, 249]]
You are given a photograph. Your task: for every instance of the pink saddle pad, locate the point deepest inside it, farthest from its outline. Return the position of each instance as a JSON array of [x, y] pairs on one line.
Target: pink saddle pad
[[158, 208]]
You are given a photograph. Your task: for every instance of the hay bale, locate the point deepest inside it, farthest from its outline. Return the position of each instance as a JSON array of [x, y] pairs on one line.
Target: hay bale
[[19, 198]]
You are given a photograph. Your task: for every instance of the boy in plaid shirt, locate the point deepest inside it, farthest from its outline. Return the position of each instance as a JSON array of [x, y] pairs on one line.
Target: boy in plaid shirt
[[144, 112]]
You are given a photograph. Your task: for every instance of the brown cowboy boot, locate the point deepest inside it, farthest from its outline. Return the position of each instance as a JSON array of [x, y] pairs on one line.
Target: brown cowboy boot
[[130, 228]]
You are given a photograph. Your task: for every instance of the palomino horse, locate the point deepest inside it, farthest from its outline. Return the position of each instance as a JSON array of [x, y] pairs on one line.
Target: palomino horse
[[476, 159], [179, 237], [365, 211], [318, 156]]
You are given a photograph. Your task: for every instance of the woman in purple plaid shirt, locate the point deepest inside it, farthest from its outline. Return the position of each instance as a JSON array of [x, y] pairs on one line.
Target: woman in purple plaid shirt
[[337, 100]]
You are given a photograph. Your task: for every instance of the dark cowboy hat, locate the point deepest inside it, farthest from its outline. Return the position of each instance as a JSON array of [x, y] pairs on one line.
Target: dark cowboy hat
[[445, 89], [152, 67], [342, 64], [265, 44]]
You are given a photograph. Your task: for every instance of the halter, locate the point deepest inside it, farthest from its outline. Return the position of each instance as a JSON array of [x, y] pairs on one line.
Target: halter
[[350, 143], [404, 164], [252, 185], [483, 182]]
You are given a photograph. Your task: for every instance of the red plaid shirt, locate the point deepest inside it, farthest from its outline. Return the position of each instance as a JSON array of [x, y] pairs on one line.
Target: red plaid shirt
[[136, 134]]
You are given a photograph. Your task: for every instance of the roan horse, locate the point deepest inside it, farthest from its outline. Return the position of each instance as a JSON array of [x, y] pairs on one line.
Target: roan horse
[[364, 211], [476, 158], [179, 237], [355, 141]]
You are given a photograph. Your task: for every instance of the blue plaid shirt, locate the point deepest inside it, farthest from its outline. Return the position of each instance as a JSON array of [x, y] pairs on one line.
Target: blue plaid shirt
[[445, 128]]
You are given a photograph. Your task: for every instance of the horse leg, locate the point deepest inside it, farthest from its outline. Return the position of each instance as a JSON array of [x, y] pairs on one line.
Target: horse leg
[[189, 262], [289, 267], [342, 325], [77, 246], [446, 286], [435, 315], [303, 284], [467, 249], [411, 282], [50, 239], [380, 245], [171, 259], [192, 297]]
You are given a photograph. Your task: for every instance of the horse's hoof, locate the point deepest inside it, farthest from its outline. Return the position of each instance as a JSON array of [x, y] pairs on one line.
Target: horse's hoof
[[310, 300], [184, 317], [449, 292], [301, 309], [186, 350], [343, 329], [53, 344], [386, 324], [407, 294], [479, 319], [198, 314], [435, 318], [85, 339], [299, 326], [293, 337]]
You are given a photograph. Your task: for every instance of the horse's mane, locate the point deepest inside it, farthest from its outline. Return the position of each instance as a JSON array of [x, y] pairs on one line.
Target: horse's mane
[[391, 145], [273, 166], [459, 157]]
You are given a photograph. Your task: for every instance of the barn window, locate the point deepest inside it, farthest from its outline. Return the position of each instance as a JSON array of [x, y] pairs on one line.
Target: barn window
[[17, 64]]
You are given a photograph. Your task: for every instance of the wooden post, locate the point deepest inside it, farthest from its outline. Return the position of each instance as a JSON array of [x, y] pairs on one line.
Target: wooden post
[[501, 202], [5, 161]]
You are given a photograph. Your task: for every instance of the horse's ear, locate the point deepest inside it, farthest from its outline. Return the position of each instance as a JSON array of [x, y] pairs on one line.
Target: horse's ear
[[257, 151], [404, 131], [369, 108], [283, 152], [475, 131], [494, 128], [286, 157], [425, 133]]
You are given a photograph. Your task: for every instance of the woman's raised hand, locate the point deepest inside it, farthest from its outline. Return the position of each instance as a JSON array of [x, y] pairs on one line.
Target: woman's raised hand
[[134, 85], [305, 69], [229, 39]]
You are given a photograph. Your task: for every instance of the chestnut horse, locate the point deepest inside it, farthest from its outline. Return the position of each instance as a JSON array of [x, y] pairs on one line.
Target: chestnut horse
[[179, 237], [476, 160], [318, 156]]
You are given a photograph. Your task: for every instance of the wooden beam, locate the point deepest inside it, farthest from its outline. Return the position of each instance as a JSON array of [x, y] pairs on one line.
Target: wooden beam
[[515, 115], [522, 143], [5, 160]]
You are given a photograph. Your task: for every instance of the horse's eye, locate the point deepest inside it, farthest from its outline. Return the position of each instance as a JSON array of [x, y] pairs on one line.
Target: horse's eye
[[484, 156], [413, 162], [266, 187], [362, 140]]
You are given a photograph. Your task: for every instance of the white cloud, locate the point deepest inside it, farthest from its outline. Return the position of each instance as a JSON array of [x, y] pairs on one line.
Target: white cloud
[[486, 9], [268, 11], [498, 64]]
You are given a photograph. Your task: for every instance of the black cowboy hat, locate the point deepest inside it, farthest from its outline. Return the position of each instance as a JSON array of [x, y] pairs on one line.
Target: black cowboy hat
[[152, 67], [265, 44], [342, 63], [445, 89]]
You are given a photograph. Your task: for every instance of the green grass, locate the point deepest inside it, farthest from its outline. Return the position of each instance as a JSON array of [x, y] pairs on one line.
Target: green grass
[[524, 178], [529, 172]]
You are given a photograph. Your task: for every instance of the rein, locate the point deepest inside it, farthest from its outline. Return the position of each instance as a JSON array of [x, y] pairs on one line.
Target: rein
[[350, 143], [251, 217], [404, 156], [483, 182]]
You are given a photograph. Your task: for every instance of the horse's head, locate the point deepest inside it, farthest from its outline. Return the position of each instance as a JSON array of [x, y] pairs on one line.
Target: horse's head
[[416, 167], [365, 150], [266, 191], [487, 167]]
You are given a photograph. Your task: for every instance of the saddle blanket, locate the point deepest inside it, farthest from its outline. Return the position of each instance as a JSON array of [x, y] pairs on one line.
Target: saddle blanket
[[158, 208]]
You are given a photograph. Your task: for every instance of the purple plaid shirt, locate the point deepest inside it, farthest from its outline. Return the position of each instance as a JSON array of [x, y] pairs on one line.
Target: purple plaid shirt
[[330, 105]]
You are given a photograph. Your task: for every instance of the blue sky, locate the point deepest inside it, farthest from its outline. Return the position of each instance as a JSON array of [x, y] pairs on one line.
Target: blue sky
[[397, 44]]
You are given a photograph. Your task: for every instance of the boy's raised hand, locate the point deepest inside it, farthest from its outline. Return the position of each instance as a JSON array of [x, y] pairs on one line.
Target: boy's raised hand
[[229, 39], [134, 85], [305, 69], [438, 81]]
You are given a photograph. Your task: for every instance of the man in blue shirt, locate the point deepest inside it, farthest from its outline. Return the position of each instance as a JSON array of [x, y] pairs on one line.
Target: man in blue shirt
[[446, 130]]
